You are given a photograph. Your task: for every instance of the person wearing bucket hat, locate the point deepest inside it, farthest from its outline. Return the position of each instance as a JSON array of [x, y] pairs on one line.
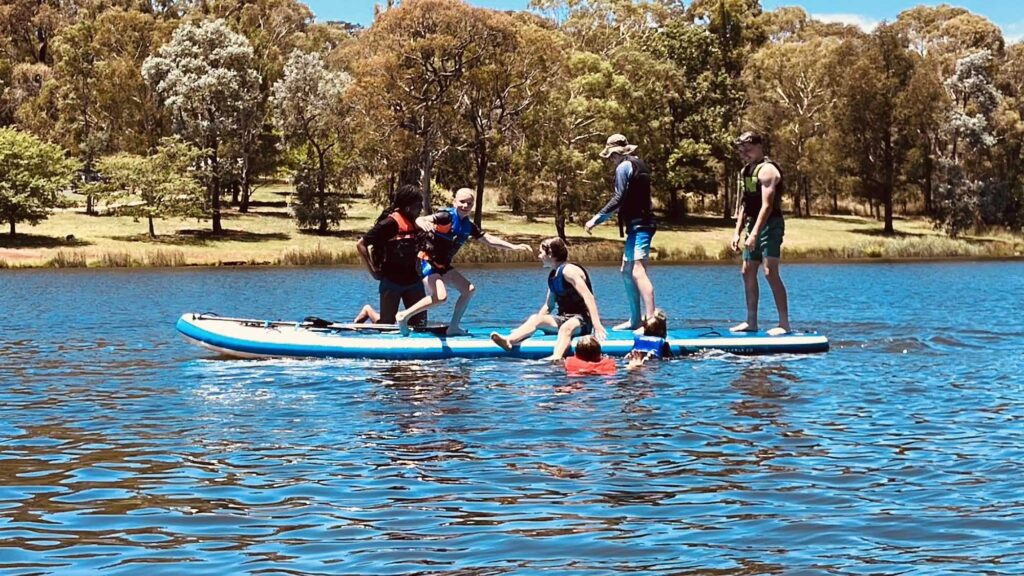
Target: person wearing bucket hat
[[632, 201], [760, 211]]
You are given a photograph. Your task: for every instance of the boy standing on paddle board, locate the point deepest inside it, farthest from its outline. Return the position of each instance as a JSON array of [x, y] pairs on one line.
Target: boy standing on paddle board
[[760, 209], [632, 201], [451, 228], [568, 287]]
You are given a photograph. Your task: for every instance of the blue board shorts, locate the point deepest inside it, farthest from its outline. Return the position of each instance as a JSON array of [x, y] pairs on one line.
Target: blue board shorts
[[638, 243], [769, 241]]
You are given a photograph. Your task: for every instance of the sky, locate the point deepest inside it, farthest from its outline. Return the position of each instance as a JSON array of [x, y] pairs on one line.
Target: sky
[[866, 13]]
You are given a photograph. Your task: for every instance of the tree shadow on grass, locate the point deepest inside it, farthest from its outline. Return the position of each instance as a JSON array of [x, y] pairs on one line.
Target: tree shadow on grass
[[695, 224], [336, 234], [879, 232], [39, 241], [202, 237]]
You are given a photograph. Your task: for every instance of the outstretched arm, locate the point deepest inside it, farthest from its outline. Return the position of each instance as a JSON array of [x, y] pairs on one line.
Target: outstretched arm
[[496, 242], [622, 175]]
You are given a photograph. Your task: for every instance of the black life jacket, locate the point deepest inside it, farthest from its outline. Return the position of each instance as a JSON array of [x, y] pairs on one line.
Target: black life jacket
[[752, 193], [636, 205], [569, 300]]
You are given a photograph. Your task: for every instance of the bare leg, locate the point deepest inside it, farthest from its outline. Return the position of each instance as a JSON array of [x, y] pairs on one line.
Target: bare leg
[[524, 331], [565, 334], [644, 287], [771, 274], [436, 294], [367, 314], [750, 286], [466, 292], [632, 296]]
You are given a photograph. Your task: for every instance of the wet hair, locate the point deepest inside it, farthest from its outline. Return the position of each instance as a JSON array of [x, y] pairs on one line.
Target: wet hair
[[656, 324], [556, 248], [588, 349], [406, 195]]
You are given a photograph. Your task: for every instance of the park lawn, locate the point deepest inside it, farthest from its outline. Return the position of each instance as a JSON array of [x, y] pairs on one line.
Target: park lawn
[[267, 235]]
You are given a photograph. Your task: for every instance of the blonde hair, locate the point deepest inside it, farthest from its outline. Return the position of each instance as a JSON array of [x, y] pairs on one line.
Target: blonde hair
[[588, 349], [464, 191]]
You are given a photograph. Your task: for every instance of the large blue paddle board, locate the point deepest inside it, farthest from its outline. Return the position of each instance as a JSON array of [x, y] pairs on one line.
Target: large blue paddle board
[[245, 338]]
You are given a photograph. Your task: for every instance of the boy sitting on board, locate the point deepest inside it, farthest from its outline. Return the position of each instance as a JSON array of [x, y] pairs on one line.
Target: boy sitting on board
[[569, 287]]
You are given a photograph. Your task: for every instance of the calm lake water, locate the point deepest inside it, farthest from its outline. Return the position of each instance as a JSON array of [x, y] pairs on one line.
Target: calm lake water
[[124, 450]]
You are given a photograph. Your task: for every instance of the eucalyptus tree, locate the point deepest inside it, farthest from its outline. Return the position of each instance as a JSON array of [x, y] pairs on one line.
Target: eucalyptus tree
[[205, 75], [869, 114], [274, 28], [312, 110], [938, 36], [409, 66], [738, 30], [969, 190], [1009, 128], [513, 72], [33, 174], [700, 99], [162, 185], [790, 96]]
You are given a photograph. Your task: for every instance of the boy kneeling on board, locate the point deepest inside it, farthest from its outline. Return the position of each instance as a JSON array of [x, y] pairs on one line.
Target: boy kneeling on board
[[568, 286]]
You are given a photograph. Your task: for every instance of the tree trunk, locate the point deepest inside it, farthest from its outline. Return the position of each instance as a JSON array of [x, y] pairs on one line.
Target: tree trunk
[[481, 176], [246, 186], [807, 195], [215, 191], [152, 230], [796, 201], [321, 193], [727, 192], [929, 168], [559, 210], [12, 229], [426, 173], [89, 210], [889, 184], [676, 210]]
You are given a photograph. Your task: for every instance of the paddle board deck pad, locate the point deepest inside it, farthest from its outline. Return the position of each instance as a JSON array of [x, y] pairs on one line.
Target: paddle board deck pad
[[246, 338]]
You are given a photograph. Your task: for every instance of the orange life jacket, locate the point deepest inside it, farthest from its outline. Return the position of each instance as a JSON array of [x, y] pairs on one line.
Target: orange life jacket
[[577, 367]]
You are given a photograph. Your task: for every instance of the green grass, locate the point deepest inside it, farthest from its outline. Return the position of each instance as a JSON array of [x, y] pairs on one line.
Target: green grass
[[267, 236]]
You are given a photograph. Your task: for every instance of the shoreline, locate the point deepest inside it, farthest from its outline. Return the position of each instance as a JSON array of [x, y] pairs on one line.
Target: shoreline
[[140, 263]]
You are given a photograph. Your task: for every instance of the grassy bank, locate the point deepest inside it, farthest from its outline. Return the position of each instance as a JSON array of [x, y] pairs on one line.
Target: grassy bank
[[267, 236]]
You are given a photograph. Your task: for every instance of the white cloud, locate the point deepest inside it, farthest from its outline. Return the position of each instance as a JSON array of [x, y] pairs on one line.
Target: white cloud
[[863, 22]]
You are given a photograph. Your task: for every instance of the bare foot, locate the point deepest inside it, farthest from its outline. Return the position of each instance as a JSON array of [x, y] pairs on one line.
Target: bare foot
[[501, 341], [627, 325], [456, 331], [778, 331], [743, 327]]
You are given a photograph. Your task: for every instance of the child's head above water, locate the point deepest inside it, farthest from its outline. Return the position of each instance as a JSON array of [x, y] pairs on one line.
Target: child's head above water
[[656, 324], [588, 349]]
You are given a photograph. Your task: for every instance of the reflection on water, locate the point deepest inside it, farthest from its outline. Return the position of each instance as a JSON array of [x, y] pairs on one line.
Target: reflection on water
[[123, 450]]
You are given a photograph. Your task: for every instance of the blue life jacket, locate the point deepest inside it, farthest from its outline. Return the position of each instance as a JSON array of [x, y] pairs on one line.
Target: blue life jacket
[[569, 300], [649, 344]]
